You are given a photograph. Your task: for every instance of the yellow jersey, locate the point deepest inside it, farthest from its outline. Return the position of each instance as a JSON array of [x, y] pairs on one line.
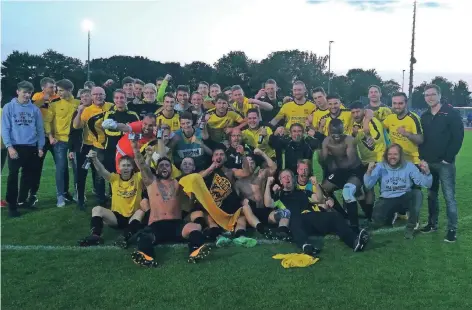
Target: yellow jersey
[[43, 105], [217, 124], [93, 116], [345, 116], [371, 154], [126, 195], [411, 123], [381, 112], [251, 138], [296, 113], [245, 107], [173, 122], [318, 114], [59, 118]]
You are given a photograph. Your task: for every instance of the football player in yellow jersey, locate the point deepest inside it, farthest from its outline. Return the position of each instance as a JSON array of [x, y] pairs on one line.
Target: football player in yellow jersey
[[167, 115], [371, 146], [220, 121], [125, 213], [336, 112], [257, 136], [404, 128], [380, 110], [322, 107], [57, 126], [296, 111], [91, 118], [242, 104]]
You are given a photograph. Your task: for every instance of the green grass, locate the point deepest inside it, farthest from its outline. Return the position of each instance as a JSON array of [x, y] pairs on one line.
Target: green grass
[[393, 273]]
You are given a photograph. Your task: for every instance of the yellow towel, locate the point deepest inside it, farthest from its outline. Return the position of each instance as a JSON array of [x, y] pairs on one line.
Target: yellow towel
[[193, 183], [296, 260]]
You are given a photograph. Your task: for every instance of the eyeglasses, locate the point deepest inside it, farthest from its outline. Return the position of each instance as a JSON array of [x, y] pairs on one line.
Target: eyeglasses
[[98, 95], [149, 93]]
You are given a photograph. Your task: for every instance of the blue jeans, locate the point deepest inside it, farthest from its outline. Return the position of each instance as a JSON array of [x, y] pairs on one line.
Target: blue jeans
[[446, 175], [60, 154]]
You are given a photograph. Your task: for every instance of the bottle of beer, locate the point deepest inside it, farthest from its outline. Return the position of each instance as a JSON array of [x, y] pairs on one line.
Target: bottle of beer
[[261, 137]]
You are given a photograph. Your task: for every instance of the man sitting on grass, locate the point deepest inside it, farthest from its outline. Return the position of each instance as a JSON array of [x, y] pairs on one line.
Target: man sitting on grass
[[125, 210], [165, 219], [305, 222], [397, 177]]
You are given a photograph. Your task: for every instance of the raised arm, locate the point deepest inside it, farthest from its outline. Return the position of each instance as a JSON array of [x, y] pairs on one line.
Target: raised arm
[[268, 200], [98, 165], [78, 123], [270, 163], [146, 173], [261, 104], [372, 175], [209, 170], [317, 196]]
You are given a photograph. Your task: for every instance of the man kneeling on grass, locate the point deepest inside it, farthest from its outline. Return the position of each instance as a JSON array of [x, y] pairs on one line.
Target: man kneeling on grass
[[125, 210], [165, 220], [396, 180], [304, 222]]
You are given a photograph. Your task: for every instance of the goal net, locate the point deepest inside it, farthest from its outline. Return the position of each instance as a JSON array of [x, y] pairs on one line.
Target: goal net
[[466, 115]]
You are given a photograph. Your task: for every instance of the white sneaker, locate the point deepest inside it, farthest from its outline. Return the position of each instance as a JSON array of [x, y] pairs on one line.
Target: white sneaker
[[61, 202]]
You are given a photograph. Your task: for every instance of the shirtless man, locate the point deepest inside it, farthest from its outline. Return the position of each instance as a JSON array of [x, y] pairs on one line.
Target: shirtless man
[[165, 220], [344, 168], [220, 182], [252, 189]]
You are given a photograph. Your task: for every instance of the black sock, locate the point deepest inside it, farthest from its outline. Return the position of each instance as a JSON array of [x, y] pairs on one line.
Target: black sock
[[195, 240], [283, 229], [132, 228], [369, 209], [145, 244], [212, 232], [337, 206], [240, 233], [96, 225], [352, 213], [200, 220], [260, 228]]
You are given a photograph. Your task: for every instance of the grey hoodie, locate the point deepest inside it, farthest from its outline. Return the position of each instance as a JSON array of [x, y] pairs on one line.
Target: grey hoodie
[[394, 182], [22, 124]]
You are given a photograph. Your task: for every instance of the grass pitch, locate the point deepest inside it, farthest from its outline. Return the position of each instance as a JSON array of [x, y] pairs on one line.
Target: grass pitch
[[43, 269]]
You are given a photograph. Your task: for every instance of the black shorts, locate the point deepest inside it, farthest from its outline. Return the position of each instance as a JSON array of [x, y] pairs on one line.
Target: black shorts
[[121, 220], [262, 214], [340, 176], [167, 231], [230, 207]]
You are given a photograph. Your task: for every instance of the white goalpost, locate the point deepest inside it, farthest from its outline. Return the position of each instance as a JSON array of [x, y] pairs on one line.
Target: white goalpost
[[466, 115]]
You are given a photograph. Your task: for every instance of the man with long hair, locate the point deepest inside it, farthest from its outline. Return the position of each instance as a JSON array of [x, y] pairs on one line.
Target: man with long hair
[[397, 178]]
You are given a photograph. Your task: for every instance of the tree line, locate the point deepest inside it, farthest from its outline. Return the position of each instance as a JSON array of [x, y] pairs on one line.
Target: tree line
[[234, 68]]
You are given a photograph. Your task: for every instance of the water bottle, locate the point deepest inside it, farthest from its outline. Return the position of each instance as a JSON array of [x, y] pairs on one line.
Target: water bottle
[[86, 164]]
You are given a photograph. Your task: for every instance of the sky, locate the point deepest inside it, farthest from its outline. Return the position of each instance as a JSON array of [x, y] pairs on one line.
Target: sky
[[367, 34]]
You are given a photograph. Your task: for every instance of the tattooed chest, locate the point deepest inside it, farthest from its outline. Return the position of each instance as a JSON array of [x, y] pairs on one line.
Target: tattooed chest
[[167, 192]]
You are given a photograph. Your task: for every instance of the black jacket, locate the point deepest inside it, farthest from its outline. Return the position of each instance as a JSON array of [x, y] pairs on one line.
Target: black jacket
[[443, 135], [75, 136], [289, 151]]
